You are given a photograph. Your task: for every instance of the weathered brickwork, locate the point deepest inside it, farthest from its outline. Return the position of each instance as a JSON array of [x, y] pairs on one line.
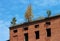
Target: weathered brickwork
[[54, 25]]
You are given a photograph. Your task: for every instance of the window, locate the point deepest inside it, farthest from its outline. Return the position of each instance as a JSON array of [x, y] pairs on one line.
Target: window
[[48, 23], [26, 37], [37, 34], [36, 26], [25, 28], [15, 31], [48, 32]]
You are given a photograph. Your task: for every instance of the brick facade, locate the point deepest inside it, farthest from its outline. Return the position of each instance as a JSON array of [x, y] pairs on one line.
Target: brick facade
[[54, 25]]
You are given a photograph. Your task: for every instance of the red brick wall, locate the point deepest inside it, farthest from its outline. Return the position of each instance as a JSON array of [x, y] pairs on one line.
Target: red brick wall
[[55, 32]]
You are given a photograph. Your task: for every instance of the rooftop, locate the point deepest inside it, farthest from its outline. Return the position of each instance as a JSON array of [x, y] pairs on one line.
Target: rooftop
[[36, 21]]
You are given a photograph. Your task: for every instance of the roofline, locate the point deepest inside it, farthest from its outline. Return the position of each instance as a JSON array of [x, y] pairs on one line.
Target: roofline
[[29, 23]]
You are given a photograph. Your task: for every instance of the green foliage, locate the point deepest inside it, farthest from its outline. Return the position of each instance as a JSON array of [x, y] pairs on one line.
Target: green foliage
[[48, 13], [13, 22]]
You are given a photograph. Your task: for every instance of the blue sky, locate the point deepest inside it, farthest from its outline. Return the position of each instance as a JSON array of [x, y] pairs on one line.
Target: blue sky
[[17, 8]]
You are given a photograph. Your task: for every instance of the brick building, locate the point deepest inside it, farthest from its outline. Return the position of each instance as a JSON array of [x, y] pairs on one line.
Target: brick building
[[47, 29]]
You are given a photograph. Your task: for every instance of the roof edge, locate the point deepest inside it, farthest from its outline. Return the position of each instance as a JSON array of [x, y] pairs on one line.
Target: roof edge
[[35, 21]]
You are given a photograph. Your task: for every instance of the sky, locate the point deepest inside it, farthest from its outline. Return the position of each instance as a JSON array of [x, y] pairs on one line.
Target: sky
[[17, 8]]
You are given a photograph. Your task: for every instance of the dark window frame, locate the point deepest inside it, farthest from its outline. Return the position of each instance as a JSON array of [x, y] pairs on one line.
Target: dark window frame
[[48, 23], [48, 30], [37, 34], [37, 25], [15, 30], [25, 28], [26, 36]]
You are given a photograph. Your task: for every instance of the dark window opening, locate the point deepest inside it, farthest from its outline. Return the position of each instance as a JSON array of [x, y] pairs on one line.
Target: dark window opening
[[48, 23], [48, 32], [26, 36], [37, 34], [15, 31], [36, 26], [25, 28]]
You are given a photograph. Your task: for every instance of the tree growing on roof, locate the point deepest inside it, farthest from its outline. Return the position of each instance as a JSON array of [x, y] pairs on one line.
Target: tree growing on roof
[[28, 14], [48, 13], [13, 22]]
